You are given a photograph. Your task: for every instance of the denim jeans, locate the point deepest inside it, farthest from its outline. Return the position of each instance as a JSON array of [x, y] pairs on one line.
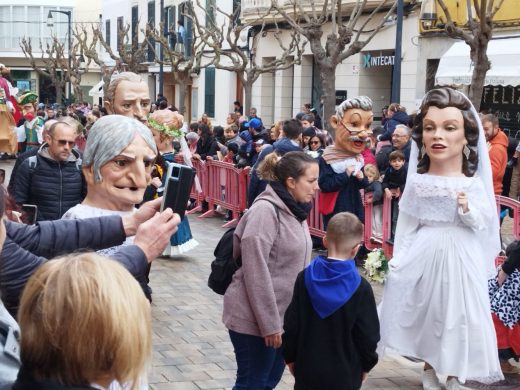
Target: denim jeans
[[258, 367]]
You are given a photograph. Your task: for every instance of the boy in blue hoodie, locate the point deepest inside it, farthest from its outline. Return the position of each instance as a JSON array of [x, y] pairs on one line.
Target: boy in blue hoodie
[[331, 326]]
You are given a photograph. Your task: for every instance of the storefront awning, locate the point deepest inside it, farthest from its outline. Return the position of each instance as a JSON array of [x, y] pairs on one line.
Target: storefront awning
[[456, 68], [97, 90]]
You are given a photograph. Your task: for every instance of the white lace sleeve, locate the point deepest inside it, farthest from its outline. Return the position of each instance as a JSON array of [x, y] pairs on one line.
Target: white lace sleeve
[[480, 211], [472, 218]]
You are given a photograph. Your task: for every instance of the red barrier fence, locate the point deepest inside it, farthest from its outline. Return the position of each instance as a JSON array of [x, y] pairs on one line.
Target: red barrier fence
[[314, 220], [201, 178], [224, 185]]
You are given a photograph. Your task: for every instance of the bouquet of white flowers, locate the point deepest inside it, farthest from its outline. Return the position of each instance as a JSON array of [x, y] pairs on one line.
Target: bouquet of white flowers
[[376, 266]]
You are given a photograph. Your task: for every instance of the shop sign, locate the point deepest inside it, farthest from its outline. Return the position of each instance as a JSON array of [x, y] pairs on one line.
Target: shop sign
[[504, 102], [370, 60]]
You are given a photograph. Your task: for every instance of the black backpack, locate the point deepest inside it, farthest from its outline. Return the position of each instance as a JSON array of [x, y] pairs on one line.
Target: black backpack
[[224, 266]]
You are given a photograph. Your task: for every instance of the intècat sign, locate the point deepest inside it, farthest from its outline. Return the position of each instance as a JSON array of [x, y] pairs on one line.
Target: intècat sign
[[370, 60]]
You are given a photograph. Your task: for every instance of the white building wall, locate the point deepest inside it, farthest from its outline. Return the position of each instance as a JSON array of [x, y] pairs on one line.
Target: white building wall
[[302, 84], [283, 98], [350, 75], [225, 87]]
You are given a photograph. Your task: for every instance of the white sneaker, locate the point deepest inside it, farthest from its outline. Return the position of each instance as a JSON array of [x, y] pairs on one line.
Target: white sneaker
[[430, 380], [452, 384]]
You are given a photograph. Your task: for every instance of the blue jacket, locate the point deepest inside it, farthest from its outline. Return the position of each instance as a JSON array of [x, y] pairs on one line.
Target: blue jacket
[[399, 118], [349, 197], [256, 185], [26, 247], [53, 186]]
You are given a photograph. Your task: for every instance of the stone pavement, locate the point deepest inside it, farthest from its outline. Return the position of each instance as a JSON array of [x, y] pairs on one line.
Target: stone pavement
[[191, 346]]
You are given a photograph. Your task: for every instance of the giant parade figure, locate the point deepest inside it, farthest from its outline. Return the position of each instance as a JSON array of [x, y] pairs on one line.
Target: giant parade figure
[[341, 165]]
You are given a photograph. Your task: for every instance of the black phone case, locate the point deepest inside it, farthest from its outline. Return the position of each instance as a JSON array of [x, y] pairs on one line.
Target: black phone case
[[178, 188]]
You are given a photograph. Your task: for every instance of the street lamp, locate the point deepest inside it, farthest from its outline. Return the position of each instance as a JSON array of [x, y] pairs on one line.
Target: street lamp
[[428, 16], [50, 23], [81, 60]]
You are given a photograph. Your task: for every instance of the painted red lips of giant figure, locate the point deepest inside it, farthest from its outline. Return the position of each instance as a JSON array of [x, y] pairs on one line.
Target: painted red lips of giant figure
[[353, 130]]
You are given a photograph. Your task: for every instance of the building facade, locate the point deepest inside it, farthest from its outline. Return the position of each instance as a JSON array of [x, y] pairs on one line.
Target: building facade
[[28, 19]]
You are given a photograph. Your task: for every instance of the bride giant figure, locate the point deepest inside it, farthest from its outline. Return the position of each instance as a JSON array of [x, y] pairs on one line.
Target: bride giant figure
[[436, 305]]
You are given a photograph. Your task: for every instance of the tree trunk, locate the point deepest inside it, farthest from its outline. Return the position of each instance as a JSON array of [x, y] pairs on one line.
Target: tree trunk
[[183, 79], [328, 82], [248, 96], [478, 77], [78, 93], [59, 95]]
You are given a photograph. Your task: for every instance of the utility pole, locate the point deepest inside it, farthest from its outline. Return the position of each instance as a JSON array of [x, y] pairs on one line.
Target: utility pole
[[161, 51], [396, 74]]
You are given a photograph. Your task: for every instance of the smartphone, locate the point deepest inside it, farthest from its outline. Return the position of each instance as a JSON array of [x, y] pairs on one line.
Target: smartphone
[[177, 188], [29, 214]]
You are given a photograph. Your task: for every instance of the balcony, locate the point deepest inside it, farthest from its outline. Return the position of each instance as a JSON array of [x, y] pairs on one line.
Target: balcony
[[433, 20], [252, 10]]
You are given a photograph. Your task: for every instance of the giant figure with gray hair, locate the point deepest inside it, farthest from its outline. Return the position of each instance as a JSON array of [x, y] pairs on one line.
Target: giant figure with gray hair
[[117, 165], [128, 94], [341, 165]]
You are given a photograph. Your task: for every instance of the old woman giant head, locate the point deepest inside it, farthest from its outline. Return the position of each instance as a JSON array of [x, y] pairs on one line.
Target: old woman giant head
[[118, 162]]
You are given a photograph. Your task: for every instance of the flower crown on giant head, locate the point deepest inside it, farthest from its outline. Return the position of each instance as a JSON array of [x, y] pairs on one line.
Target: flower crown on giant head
[[163, 128]]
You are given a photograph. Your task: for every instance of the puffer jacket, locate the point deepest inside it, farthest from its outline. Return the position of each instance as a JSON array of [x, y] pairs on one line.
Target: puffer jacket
[[399, 118], [53, 186], [26, 247], [274, 247], [257, 185]]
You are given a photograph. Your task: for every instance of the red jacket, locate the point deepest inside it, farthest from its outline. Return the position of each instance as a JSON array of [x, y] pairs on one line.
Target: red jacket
[[497, 147]]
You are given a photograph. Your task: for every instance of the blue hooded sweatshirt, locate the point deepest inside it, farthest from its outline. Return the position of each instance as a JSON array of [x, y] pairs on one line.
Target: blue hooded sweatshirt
[[330, 283]]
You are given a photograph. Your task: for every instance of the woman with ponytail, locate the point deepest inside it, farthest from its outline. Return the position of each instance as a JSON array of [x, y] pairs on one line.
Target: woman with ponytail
[[275, 245]]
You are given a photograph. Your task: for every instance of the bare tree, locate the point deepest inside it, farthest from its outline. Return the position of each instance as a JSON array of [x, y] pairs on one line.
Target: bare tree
[[223, 40], [349, 34], [477, 34], [127, 57], [54, 60], [182, 65]]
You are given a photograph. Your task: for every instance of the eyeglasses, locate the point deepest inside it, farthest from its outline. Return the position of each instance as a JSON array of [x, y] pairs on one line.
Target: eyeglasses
[[63, 142], [354, 133], [315, 142], [398, 135]]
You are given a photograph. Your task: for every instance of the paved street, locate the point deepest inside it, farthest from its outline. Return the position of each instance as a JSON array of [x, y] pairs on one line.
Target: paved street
[[191, 346]]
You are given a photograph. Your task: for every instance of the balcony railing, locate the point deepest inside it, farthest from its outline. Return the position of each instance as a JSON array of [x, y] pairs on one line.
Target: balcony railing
[[253, 9]]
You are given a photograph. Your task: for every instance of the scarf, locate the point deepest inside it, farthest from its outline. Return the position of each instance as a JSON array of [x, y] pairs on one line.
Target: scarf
[[300, 210], [333, 154], [330, 284]]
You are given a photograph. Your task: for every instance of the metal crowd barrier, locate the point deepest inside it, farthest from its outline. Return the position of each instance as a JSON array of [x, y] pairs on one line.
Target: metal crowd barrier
[[202, 178], [224, 185], [315, 220]]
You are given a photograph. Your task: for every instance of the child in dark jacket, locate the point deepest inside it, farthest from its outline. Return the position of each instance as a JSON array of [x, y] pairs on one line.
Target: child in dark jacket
[[395, 179], [395, 174], [331, 328]]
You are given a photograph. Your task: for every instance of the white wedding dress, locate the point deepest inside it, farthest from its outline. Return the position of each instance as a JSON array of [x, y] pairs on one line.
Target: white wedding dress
[[436, 305]]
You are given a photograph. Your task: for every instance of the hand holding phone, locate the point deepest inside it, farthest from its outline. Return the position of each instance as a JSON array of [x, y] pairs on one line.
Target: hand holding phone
[[177, 188]]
